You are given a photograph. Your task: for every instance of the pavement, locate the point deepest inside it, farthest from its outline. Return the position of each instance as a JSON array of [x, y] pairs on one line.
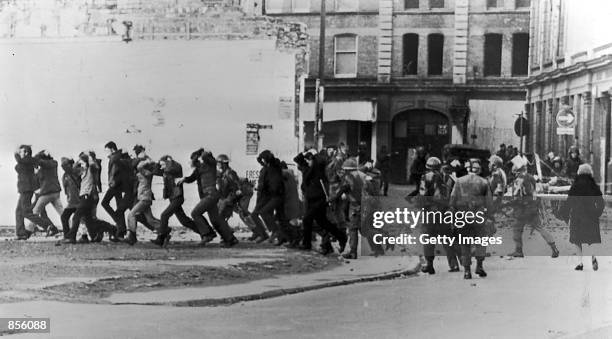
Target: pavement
[[354, 271], [534, 297]]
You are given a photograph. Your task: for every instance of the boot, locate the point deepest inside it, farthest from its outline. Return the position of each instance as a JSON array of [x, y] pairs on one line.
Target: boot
[[468, 273], [131, 238], [350, 255], [428, 268], [518, 253], [228, 244], [52, 231], [98, 237], [25, 236], [555, 251], [480, 271], [84, 239], [158, 240], [207, 238], [326, 249], [166, 240]]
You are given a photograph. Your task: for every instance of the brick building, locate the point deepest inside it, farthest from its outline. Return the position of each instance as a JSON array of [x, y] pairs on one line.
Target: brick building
[[571, 66], [405, 73]]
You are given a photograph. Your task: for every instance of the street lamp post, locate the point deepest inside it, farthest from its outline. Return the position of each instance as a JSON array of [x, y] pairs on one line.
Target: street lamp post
[[319, 88]]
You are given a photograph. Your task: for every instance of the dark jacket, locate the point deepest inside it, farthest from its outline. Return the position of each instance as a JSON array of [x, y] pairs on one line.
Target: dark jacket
[[26, 182], [583, 207], [145, 178], [270, 183], [119, 171], [49, 182], [313, 178], [229, 184], [71, 188], [173, 171], [571, 167], [205, 173]]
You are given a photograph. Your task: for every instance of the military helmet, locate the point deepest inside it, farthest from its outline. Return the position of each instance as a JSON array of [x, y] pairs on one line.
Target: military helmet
[[496, 160], [433, 163], [349, 164], [223, 158]]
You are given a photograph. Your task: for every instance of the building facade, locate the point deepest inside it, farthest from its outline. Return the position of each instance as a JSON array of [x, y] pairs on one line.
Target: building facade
[[405, 73], [571, 66]]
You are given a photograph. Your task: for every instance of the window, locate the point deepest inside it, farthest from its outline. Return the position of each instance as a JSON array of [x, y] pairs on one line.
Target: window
[[345, 63], [436, 3], [492, 54], [411, 54], [523, 3], [495, 3], [300, 6], [435, 54], [274, 6], [347, 5], [409, 4], [520, 54]]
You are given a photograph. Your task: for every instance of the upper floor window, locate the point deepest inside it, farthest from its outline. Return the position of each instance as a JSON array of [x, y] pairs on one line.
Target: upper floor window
[[520, 54], [495, 3], [345, 56], [285, 6], [300, 5], [347, 5], [274, 6], [435, 54], [411, 54], [492, 54], [436, 3], [522, 3], [410, 4]]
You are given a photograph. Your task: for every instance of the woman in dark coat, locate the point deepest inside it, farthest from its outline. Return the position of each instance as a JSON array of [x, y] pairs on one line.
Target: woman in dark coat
[[583, 208]]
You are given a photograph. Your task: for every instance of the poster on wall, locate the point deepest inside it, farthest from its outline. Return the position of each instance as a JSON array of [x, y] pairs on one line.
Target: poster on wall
[[252, 139]]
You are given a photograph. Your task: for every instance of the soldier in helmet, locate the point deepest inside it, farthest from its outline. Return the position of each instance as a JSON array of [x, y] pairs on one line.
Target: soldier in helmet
[[353, 186], [433, 196], [497, 178], [526, 211], [472, 193]]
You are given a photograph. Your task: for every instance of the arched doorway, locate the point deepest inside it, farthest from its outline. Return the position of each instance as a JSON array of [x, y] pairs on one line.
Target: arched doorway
[[413, 128]]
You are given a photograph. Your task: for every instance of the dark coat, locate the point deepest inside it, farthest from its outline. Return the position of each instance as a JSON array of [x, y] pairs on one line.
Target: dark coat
[[119, 171], [270, 183], [583, 207], [26, 181], [49, 182], [173, 171], [313, 178]]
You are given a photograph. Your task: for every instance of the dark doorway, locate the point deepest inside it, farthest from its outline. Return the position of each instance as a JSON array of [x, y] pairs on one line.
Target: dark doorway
[[414, 128]]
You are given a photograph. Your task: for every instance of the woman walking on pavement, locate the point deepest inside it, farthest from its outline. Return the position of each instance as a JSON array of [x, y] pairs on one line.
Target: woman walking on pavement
[[583, 207]]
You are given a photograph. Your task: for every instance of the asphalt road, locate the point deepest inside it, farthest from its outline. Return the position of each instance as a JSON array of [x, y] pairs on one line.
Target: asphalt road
[[534, 297]]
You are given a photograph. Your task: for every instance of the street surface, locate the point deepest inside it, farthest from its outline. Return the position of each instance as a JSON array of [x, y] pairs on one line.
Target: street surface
[[534, 297]]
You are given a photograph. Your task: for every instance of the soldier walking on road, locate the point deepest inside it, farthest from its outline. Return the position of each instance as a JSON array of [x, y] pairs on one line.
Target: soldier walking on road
[[525, 207], [433, 196], [472, 193]]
